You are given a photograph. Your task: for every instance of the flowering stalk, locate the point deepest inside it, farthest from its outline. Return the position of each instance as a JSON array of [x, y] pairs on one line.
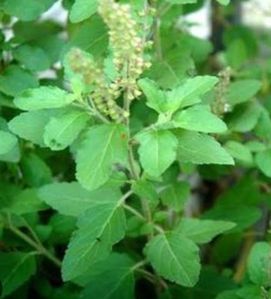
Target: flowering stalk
[[127, 45]]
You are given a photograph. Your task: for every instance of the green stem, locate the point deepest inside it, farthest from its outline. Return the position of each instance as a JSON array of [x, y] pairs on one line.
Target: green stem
[[40, 249], [32, 232], [125, 196], [139, 265], [134, 212], [96, 111], [131, 161], [141, 217]]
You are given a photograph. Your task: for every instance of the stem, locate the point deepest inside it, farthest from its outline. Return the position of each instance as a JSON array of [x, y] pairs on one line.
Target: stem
[[125, 196], [149, 276], [39, 247], [141, 217], [241, 266], [96, 111], [131, 161], [139, 265], [134, 212], [32, 232], [164, 8]]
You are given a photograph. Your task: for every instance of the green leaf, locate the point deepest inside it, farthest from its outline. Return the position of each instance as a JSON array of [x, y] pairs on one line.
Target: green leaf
[[26, 10], [112, 278], [199, 118], [263, 127], [252, 292], [90, 36], [170, 72], [236, 53], [228, 295], [157, 151], [259, 264], [224, 2], [202, 231], [33, 58], [156, 98], [16, 269], [72, 200], [62, 228], [239, 151], [14, 80], [242, 91], [26, 201], [63, 129], [201, 149], [7, 142], [245, 197], [99, 228], [263, 161], [186, 94], [83, 9], [145, 189], [104, 146], [44, 97], [174, 257], [181, 1], [176, 195], [31, 125], [190, 91], [12, 156], [35, 171], [245, 117], [255, 146]]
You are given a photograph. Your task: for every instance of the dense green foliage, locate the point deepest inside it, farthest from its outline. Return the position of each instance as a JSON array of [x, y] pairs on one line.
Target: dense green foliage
[[135, 161]]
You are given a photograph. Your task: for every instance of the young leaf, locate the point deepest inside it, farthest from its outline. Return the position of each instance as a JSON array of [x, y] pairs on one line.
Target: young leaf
[[202, 231], [157, 151], [112, 278], [259, 264], [7, 142], [72, 199], [189, 93], [185, 95], [16, 269], [174, 257], [104, 146], [156, 98], [99, 228], [201, 149], [83, 9], [199, 118], [44, 97], [63, 129]]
